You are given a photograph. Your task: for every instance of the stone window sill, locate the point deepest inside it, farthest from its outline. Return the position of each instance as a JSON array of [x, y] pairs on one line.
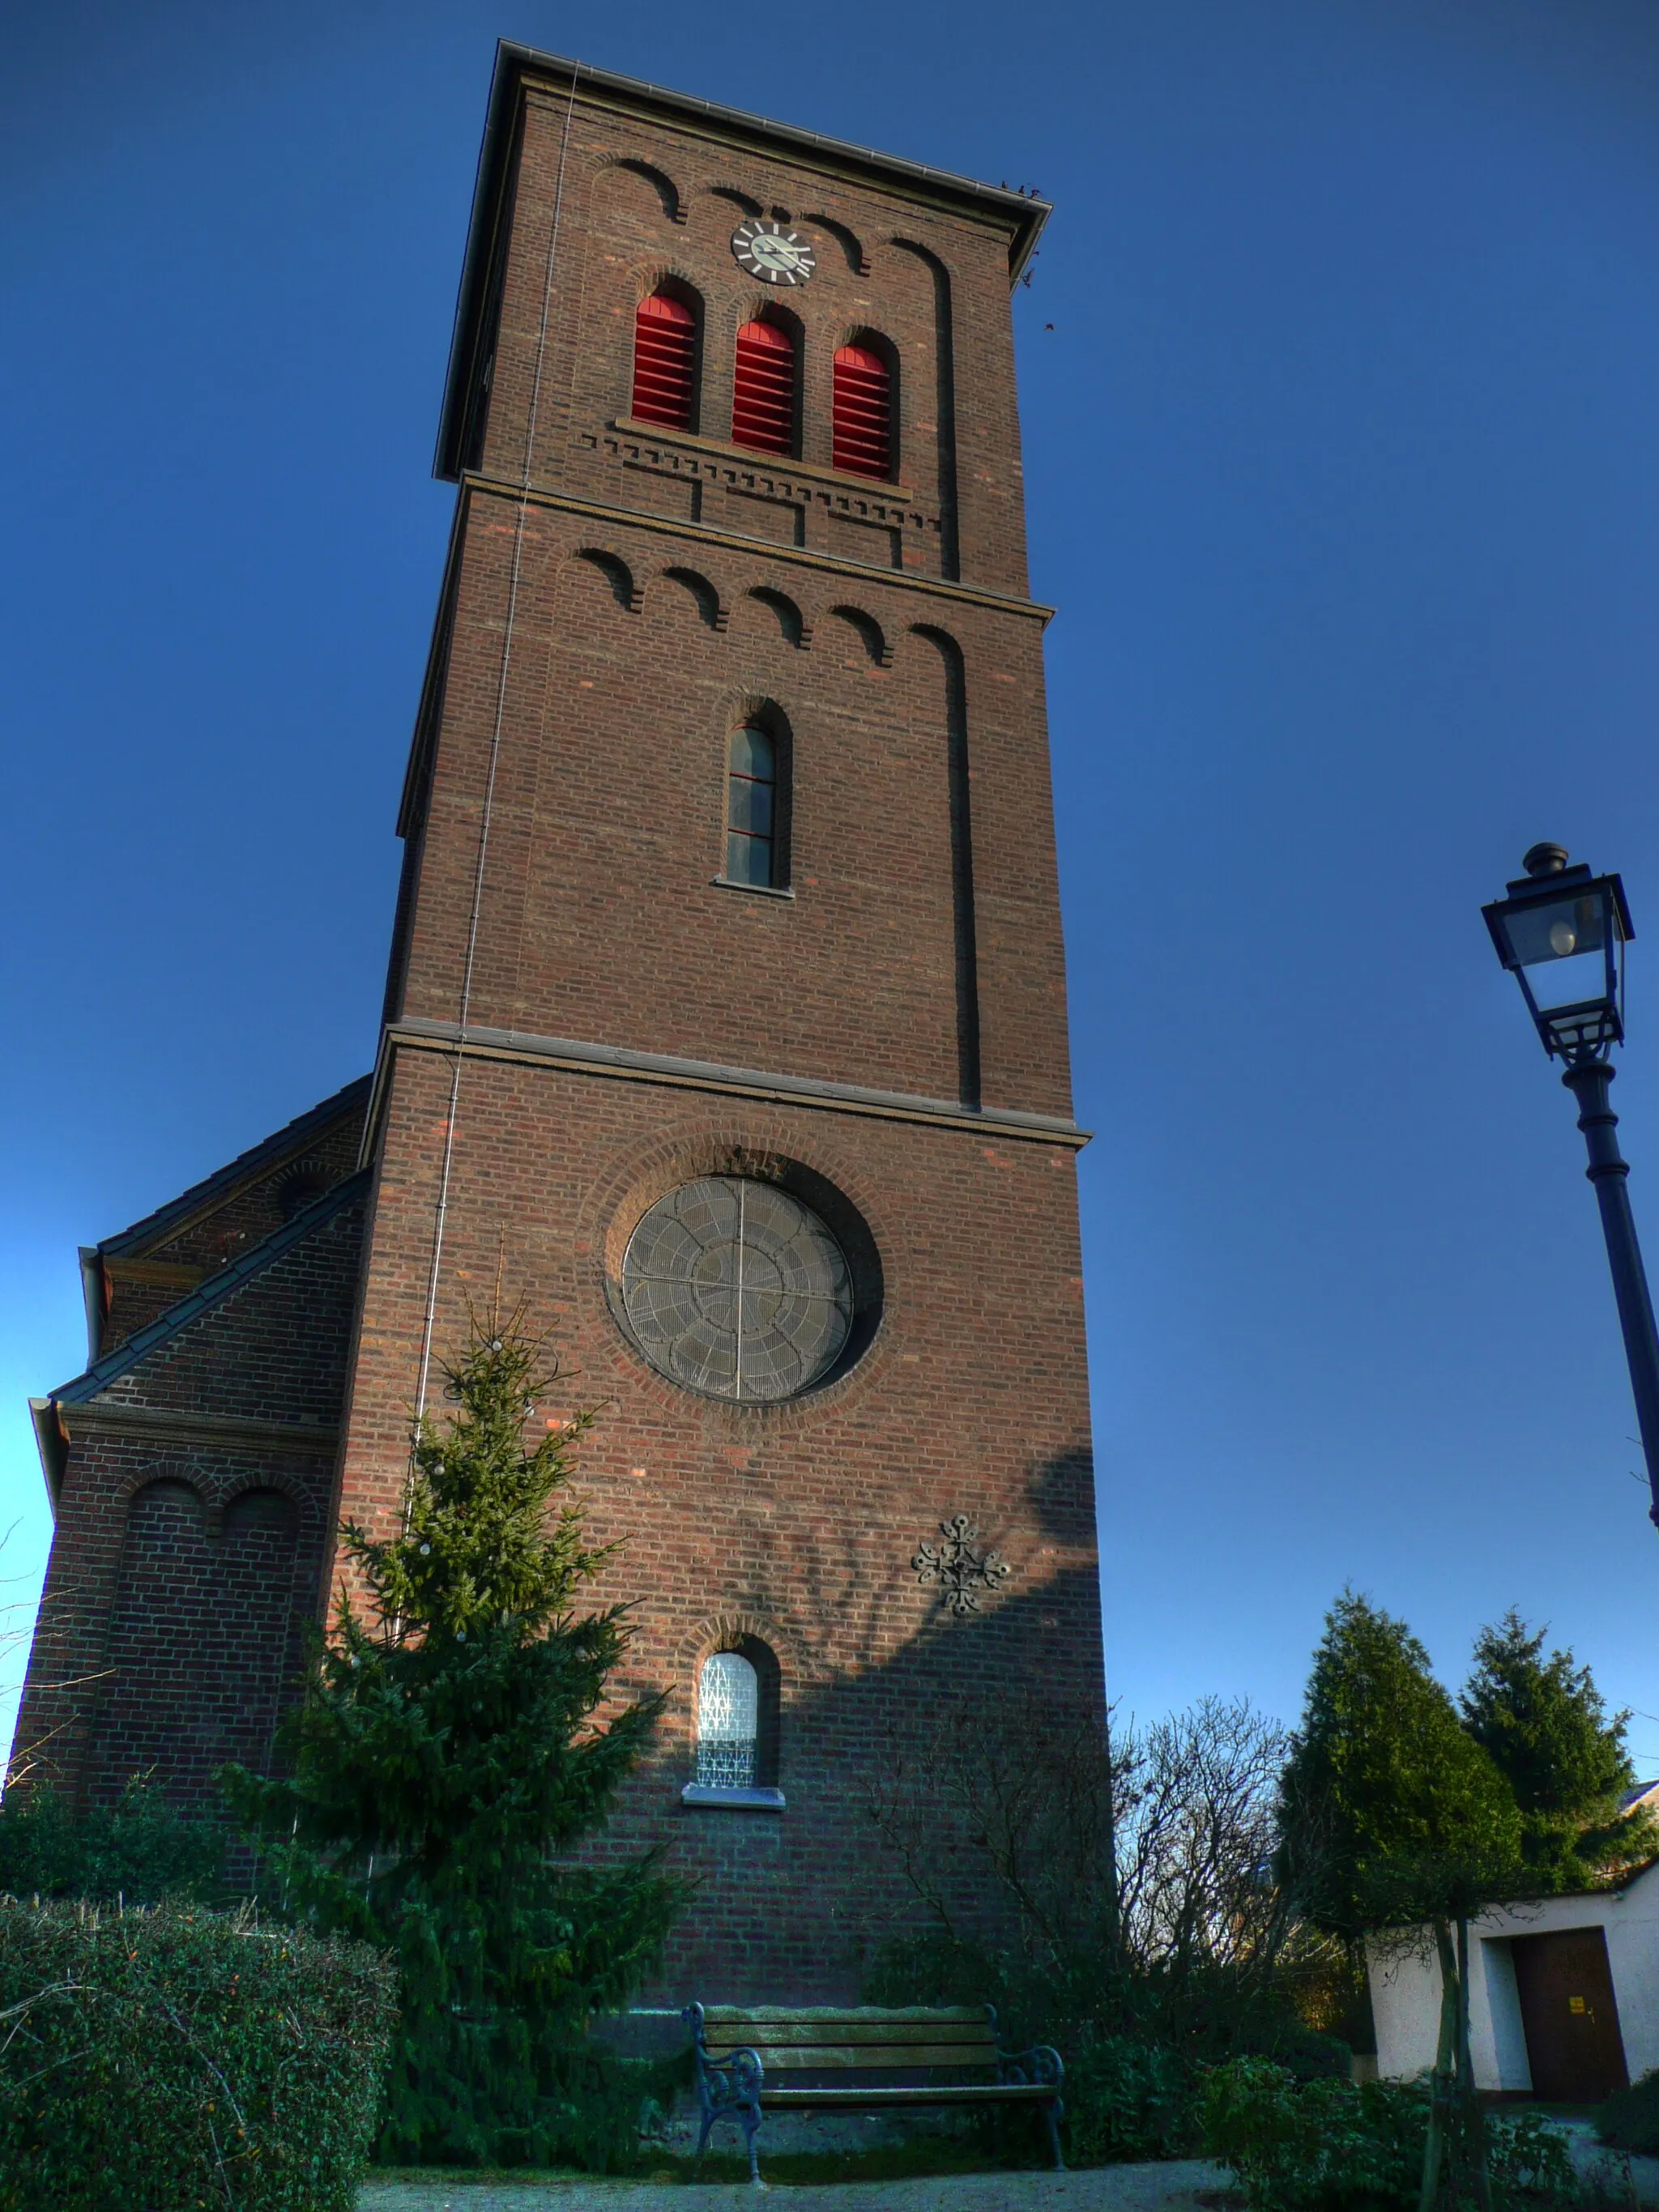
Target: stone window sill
[[732, 1800], [760, 890]]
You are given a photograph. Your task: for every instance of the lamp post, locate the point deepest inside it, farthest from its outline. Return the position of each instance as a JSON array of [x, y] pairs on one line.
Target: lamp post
[[1561, 932]]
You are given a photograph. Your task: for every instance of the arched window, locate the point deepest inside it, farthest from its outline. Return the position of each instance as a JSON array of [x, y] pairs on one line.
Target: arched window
[[753, 825], [763, 389], [863, 422], [728, 1722], [664, 362]]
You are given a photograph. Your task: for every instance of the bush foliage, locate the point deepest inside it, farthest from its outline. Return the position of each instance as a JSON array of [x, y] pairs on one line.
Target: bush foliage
[[1630, 2121], [178, 2058], [1330, 2146], [139, 1849]]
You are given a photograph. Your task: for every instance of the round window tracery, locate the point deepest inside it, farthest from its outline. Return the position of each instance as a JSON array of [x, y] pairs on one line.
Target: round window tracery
[[735, 1289]]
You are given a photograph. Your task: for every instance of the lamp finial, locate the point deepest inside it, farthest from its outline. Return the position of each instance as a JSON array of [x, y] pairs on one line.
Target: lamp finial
[[1544, 859]]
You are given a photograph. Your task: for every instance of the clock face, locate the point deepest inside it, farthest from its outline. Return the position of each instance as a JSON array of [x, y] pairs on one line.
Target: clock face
[[774, 254]]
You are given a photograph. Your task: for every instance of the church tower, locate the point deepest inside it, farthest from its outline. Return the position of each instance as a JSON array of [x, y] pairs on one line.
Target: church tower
[[726, 1021]]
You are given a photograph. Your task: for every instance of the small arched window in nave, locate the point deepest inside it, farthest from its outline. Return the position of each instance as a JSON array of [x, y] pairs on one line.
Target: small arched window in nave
[[664, 362], [763, 389], [728, 1721]]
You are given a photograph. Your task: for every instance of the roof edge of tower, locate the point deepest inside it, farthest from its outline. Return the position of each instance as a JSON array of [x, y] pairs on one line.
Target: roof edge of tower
[[515, 63]]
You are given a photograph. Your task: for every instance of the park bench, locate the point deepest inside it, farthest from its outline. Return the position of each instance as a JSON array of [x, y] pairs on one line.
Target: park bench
[[752, 2060]]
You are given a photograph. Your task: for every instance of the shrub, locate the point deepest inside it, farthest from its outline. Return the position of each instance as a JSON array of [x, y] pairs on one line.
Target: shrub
[[139, 1849], [1317, 2146], [1127, 2100], [1307, 2054], [178, 2058], [1630, 2121]]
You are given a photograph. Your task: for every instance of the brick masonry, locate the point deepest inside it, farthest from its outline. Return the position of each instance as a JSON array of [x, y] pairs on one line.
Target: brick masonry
[[616, 598]]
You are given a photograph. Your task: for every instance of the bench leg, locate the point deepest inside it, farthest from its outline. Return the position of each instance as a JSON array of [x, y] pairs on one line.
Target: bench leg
[[703, 2143], [751, 2125], [1055, 2111]]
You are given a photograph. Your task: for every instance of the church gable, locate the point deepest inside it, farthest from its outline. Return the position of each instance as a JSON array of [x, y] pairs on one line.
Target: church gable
[[191, 1469], [264, 1338], [136, 1276]]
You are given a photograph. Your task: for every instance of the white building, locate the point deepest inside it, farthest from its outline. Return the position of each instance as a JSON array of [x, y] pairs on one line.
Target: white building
[[1563, 1996]]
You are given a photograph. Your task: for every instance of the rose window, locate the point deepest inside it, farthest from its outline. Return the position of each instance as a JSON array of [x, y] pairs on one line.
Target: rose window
[[733, 1288]]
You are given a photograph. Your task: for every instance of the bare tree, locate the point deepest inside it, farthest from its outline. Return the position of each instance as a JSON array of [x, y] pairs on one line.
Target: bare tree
[[1136, 1871], [24, 1624]]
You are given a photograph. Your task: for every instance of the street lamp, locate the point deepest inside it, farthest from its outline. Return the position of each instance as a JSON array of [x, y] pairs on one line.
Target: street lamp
[[1561, 932]]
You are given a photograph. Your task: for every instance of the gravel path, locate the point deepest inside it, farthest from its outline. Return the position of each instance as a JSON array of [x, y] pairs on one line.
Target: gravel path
[[1176, 2186]]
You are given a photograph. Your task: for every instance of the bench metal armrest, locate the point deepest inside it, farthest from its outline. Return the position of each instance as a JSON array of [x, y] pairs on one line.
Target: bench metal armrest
[[724, 2085], [1041, 2067]]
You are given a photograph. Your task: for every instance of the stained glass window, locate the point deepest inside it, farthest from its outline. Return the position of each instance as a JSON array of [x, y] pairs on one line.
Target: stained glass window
[[735, 1289], [728, 1721]]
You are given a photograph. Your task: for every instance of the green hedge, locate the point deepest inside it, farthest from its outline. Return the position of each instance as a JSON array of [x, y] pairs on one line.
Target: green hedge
[[178, 2058]]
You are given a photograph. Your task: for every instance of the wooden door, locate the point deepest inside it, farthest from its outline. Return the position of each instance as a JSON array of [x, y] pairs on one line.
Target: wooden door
[[1571, 2020]]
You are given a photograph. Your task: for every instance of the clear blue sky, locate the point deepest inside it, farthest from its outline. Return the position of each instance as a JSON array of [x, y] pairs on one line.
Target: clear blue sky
[[1343, 454]]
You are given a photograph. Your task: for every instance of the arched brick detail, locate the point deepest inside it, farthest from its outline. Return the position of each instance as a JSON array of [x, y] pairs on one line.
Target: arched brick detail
[[669, 197]]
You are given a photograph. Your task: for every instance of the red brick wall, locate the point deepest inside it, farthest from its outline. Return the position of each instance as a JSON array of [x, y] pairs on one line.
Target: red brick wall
[[923, 937], [600, 921], [920, 954]]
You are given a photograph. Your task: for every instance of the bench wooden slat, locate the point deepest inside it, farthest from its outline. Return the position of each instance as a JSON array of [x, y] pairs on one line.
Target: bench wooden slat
[[1001, 2092], [818, 2037], [891, 2058], [860, 2015], [848, 2031], [948, 2053]]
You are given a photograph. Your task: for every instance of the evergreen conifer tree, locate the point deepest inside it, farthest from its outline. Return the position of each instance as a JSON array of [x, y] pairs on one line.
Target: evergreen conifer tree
[[1543, 1724], [445, 1754], [1393, 1817]]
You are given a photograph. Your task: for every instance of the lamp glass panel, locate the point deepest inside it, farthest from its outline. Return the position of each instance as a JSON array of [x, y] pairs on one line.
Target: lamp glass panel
[[1563, 946]]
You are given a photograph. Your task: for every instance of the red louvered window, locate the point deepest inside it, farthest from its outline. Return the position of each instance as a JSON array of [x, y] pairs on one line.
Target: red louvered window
[[863, 443], [763, 389], [664, 362]]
